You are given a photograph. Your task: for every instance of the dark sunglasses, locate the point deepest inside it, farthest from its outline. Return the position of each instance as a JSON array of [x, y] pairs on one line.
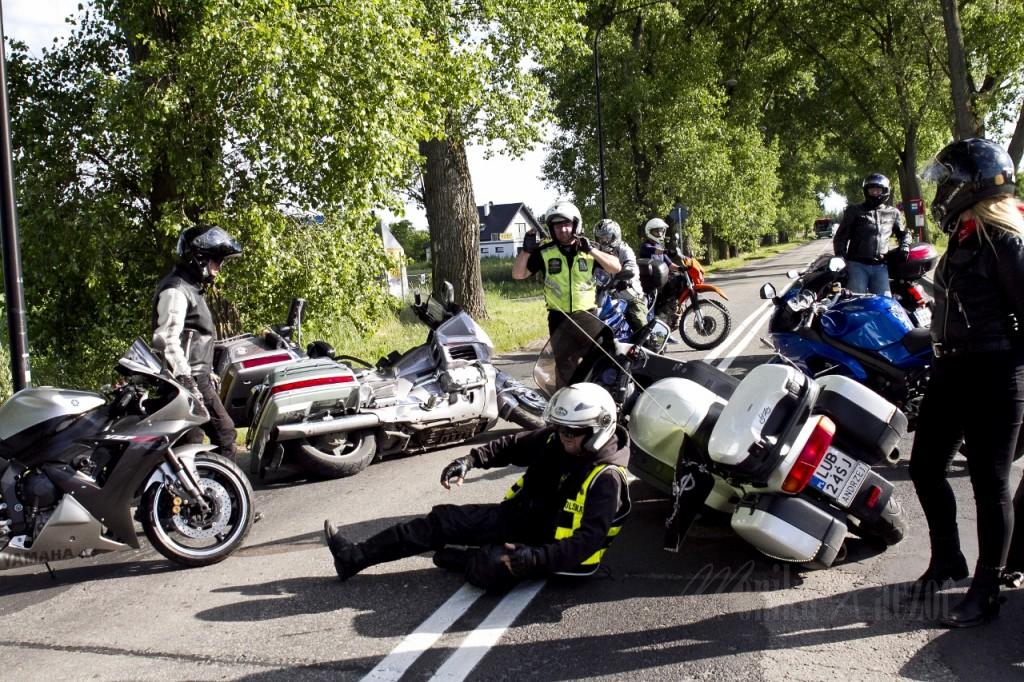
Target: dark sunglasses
[[573, 432]]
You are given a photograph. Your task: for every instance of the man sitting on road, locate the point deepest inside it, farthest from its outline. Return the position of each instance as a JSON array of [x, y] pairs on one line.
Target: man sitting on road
[[558, 518]]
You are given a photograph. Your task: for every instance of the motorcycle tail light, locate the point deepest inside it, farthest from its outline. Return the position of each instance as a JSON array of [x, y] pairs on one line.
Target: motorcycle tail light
[[922, 252], [810, 457], [873, 495], [917, 293], [265, 360], [310, 383]]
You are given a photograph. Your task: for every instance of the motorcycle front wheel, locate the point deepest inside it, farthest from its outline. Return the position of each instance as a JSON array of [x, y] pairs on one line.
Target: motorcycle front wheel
[[334, 455], [705, 325], [186, 534]]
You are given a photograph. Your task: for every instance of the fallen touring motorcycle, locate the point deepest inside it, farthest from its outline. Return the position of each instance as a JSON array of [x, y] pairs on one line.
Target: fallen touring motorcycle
[[73, 464], [332, 415], [787, 457]]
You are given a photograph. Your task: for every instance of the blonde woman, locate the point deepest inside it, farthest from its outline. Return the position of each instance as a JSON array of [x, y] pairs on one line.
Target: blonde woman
[[976, 389]]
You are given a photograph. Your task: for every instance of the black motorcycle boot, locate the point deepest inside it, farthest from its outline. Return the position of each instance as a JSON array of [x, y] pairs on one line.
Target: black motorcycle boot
[[982, 601], [947, 563], [391, 544]]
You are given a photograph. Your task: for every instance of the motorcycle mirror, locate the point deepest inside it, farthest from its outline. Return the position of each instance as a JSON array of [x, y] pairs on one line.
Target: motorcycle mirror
[[655, 337], [448, 294], [792, 274], [836, 264], [417, 300], [767, 292]]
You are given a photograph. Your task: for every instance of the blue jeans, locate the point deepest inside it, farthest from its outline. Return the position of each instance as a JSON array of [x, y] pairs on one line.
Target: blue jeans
[[862, 278]]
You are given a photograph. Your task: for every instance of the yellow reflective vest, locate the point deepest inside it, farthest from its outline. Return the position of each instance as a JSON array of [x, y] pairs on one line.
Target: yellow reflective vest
[[571, 516], [568, 285]]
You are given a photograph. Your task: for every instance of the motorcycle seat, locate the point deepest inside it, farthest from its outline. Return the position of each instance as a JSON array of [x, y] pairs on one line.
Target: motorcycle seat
[[917, 340]]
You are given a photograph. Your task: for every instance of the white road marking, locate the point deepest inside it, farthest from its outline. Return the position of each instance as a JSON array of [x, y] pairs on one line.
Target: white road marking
[[724, 363], [721, 348], [422, 638], [478, 642]]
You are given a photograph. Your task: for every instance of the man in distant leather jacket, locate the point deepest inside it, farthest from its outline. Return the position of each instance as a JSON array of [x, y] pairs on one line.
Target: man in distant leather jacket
[[863, 237]]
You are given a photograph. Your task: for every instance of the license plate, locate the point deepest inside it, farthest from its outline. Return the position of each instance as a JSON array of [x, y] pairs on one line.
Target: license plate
[[924, 317], [839, 476]]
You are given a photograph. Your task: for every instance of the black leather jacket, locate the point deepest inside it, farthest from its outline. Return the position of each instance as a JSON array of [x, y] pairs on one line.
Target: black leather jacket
[[863, 234], [198, 336], [979, 294]]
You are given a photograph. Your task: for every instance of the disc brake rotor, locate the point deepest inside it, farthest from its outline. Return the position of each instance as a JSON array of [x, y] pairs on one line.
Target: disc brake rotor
[[217, 497]]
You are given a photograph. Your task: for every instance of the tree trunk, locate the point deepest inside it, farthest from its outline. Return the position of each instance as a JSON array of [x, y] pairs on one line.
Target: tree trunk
[[966, 122], [454, 223], [910, 186], [1017, 141], [709, 245]]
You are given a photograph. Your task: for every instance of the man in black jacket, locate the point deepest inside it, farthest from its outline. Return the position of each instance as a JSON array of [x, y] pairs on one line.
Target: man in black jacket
[[183, 330], [863, 237], [558, 518]]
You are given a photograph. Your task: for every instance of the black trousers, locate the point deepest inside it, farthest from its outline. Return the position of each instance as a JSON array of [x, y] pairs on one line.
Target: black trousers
[[462, 524], [221, 428], [978, 397]]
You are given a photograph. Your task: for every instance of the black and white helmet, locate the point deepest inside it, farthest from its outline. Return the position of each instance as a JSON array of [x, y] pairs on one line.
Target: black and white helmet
[[656, 229], [608, 233], [199, 245], [583, 406], [561, 211]]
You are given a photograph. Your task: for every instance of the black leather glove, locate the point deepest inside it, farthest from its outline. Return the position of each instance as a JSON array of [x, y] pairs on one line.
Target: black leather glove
[[190, 385], [530, 242], [523, 561], [456, 471], [583, 245], [488, 568], [904, 253]]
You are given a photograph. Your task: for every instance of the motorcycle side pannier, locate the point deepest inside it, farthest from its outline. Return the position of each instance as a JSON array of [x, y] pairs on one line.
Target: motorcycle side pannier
[[867, 425], [789, 529]]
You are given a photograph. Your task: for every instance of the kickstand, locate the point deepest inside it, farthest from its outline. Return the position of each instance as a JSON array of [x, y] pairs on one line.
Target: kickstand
[[53, 574]]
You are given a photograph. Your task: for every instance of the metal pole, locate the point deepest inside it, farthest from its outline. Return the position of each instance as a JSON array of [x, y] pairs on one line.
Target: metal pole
[[17, 329], [600, 128]]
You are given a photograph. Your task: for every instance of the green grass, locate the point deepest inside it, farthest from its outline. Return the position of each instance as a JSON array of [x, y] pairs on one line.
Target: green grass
[[516, 312]]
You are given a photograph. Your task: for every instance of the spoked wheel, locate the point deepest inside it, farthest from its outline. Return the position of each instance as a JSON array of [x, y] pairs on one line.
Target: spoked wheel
[[334, 455], [184, 532], [705, 325]]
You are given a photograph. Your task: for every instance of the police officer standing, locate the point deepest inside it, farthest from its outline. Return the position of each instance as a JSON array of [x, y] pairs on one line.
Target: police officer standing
[[183, 329], [567, 261], [976, 388], [559, 518], [863, 237]]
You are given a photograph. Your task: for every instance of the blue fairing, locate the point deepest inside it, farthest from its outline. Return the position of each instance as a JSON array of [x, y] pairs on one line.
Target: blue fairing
[[872, 323], [800, 350]]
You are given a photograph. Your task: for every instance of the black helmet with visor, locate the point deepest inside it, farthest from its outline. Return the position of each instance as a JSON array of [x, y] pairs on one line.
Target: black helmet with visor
[[965, 172]]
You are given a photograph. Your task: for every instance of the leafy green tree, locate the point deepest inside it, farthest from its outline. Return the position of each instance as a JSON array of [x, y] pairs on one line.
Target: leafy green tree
[[415, 242], [474, 73], [284, 122]]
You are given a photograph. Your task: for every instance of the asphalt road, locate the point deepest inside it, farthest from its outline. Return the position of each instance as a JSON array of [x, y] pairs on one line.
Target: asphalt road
[[716, 610]]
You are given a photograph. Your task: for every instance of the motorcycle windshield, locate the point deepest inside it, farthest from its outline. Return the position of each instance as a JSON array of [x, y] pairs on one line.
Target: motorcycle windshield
[[140, 359], [569, 354], [463, 330]]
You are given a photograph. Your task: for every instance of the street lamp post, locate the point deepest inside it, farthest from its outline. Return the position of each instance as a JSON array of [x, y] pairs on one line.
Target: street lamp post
[[17, 329], [597, 95]]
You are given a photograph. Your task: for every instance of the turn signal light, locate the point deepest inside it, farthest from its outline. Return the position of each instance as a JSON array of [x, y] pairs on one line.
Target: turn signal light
[[810, 457], [917, 293], [309, 383]]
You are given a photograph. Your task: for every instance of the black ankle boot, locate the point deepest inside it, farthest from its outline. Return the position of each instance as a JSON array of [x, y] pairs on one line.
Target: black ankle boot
[[941, 568], [982, 601], [349, 558]]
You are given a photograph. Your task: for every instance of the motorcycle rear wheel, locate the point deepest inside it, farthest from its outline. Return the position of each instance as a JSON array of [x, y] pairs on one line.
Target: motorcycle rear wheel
[[889, 529], [708, 330], [334, 455], [188, 536]]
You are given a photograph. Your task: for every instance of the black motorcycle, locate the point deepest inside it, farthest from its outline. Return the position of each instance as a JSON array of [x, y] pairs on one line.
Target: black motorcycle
[[73, 463]]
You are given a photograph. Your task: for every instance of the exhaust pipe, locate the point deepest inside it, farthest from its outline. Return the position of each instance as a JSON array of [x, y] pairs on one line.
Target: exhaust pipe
[[310, 429]]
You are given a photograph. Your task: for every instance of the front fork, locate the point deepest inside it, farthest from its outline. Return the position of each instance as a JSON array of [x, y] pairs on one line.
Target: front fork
[[186, 477]]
